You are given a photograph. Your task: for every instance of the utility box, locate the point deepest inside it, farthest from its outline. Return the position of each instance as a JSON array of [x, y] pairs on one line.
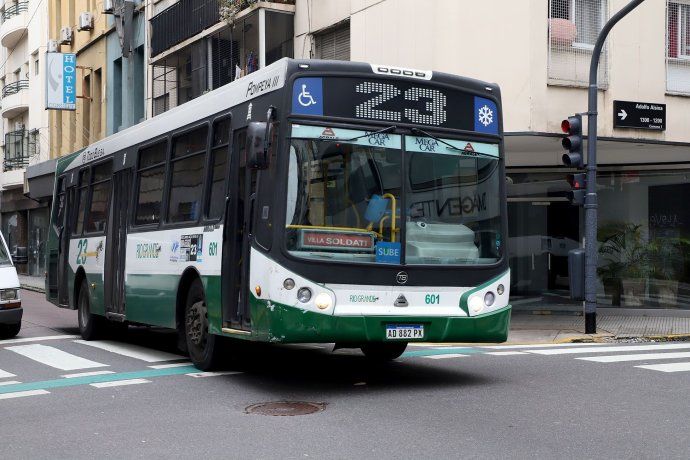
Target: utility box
[[576, 273]]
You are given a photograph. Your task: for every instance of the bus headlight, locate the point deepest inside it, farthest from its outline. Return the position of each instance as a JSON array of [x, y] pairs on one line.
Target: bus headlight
[[323, 301], [476, 304], [489, 298], [304, 295], [500, 289]]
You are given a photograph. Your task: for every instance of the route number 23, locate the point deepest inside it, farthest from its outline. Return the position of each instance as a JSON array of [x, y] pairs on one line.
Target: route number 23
[[435, 104]]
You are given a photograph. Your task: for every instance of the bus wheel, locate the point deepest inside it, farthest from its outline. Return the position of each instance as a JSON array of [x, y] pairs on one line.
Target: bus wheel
[[91, 326], [203, 347], [7, 331], [384, 351]]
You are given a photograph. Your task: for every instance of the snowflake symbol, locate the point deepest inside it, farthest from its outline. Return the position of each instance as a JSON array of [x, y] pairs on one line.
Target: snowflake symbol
[[486, 116]]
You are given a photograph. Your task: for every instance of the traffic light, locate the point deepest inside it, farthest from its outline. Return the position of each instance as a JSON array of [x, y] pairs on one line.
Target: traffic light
[[573, 142], [578, 186]]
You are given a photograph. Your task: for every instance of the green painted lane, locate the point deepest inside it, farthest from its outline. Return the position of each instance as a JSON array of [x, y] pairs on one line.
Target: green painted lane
[[87, 380], [442, 351]]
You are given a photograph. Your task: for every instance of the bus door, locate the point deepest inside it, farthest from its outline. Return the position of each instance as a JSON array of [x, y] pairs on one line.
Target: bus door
[[237, 237], [116, 247], [66, 199]]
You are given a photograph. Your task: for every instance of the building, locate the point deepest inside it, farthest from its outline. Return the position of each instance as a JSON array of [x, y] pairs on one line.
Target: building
[[24, 136]]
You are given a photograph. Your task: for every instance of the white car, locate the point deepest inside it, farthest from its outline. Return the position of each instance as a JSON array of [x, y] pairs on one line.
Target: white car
[[10, 303]]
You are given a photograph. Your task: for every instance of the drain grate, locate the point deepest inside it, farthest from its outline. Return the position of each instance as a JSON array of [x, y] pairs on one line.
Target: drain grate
[[285, 408]]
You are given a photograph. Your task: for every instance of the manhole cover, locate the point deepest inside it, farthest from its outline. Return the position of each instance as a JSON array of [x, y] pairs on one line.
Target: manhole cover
[[285, 408]]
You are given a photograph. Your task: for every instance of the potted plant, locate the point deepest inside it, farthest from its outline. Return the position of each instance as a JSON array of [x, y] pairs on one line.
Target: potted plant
[[622, 266]]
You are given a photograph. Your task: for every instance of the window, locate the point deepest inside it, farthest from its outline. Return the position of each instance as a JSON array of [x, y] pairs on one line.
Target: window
[[219, 160], [36, 68], [100, 198], [333, 43], [150, 184], [82, 197], [186, 183], [678, 47]]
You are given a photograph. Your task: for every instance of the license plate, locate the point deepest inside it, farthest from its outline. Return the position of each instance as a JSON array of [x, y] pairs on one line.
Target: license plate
[[404, 332]]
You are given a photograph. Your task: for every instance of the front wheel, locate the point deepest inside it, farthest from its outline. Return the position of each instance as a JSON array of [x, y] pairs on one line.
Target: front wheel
[[384, 351], [203, 347], [7, 331]]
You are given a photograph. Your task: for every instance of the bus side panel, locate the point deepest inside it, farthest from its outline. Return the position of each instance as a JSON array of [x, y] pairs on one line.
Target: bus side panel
[[88, 253], [150, 299]]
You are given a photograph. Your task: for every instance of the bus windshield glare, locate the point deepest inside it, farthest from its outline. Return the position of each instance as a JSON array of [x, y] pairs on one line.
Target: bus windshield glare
[[354, 196]]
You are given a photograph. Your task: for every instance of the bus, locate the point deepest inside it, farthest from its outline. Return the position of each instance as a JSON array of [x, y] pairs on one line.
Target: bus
[[309, 201]]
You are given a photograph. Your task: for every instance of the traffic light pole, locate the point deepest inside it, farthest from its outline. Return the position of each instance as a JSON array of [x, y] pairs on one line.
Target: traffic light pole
[[591, 204]]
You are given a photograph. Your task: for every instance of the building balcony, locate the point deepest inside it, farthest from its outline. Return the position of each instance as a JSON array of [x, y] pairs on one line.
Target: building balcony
[[15, 20], [15, 99], [20, 147]]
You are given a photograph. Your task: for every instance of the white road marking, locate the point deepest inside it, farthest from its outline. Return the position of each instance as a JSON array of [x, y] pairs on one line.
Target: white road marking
[[9, 382], [21, 394], [119, 383], [211, 374], [545, 345], [5, 374], [568, 351], [87, 374], [635, 357], [506, 353], [447, 356], [168, 366], [131, 351], [670, 367], [38, 339], [54, 358]]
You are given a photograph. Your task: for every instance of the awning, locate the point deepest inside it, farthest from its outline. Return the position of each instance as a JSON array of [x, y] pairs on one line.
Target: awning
[[39, 180]]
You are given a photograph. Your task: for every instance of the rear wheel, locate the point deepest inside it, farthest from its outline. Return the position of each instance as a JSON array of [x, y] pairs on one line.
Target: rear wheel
[[203, 347], [7, 331], [384, 351], [91, 326]]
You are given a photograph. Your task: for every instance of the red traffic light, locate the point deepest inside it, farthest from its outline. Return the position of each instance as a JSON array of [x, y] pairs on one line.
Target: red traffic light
[[577, 181], [565, 126]]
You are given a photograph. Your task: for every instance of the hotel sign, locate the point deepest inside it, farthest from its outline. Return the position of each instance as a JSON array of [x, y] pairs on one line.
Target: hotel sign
[[61, 81]]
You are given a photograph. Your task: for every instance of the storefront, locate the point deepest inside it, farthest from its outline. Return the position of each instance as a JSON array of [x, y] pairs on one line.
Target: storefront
[[643, 237]]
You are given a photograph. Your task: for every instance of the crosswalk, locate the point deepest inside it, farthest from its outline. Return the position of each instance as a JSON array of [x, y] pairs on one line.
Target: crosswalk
[[600, 353], [36, 366]]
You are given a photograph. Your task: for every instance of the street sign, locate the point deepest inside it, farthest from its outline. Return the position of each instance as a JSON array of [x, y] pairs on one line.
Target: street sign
[[639, 115], [61, 81]]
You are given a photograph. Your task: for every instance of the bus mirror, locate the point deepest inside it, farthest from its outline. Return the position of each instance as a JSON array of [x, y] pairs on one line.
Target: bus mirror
[[257, 147]]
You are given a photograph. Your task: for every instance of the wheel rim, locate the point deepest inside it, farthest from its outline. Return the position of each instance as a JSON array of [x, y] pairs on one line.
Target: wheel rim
[[197, 324]]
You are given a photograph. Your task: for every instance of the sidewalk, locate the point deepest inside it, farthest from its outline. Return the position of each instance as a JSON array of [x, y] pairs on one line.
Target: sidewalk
[[32, 283]]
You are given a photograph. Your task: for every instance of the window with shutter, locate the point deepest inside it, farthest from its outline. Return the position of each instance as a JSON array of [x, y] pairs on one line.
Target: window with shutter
[[333, 43]]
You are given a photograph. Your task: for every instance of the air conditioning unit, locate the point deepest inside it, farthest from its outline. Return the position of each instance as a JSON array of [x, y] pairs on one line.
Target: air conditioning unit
[[53, 46], [108, 7], [66, 36], [85, 21], [18, 126]]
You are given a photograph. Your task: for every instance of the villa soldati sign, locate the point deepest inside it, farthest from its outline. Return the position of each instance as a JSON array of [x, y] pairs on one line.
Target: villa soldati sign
[[61, 81]]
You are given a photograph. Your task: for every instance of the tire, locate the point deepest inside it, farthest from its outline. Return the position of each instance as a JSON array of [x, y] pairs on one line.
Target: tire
[[7, 331], [203, 347], [91, 327], [384, 351]]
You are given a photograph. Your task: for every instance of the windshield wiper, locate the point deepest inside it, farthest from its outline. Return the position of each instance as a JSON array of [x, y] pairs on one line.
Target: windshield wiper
[[380, 131], [451, 146]]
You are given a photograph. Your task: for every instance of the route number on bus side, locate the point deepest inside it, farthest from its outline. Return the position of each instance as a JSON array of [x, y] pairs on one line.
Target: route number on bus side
[[81, 255], [432, 299]]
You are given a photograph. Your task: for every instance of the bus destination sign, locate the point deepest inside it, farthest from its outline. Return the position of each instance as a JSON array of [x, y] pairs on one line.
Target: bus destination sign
[[639, 115], [394, 101]]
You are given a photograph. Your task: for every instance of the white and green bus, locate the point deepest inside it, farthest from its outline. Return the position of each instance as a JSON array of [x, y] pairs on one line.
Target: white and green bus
[[310, 201]]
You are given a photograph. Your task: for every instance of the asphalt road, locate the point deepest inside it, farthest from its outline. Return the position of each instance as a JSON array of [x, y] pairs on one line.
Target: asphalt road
[[138, 400]]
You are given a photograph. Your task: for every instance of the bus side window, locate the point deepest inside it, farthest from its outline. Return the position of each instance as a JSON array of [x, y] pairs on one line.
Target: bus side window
[[187, 178], [220, 145], [150, 179], [82, 198], [100, 198]]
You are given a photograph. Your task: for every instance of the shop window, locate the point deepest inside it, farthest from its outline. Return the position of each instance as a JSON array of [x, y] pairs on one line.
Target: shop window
[[219, 160], [100, 198], [151, 177], [333, 43], [186, 184]]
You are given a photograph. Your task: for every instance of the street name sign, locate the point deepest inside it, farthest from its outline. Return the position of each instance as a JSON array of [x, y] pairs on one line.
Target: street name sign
[[639, 115]]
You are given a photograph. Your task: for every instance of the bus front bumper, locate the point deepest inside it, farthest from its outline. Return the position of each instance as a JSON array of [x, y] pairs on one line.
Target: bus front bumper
[[286, 324]]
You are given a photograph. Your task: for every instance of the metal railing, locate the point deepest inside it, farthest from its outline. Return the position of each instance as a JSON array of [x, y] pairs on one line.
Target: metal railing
[[14, 87], [13, 10], [20, 146]]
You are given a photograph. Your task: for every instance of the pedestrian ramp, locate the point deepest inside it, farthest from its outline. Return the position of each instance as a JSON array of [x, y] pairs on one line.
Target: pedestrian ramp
[[35, 366], [668, 357]]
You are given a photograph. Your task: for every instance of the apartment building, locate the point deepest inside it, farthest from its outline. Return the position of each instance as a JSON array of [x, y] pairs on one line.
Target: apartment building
[[24, 133]]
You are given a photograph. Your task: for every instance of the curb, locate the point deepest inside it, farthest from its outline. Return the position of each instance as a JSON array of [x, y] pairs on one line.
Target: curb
[[662, 337], [28, 287]]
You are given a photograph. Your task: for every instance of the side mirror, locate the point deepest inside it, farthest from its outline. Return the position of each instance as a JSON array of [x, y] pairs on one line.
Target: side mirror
[[257, 145]]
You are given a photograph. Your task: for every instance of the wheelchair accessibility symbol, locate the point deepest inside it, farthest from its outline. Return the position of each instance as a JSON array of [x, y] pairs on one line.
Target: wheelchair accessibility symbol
[[305, 99], [307, 96]]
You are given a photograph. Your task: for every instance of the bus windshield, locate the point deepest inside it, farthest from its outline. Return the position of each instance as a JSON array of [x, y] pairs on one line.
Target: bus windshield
[[354, 196]]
